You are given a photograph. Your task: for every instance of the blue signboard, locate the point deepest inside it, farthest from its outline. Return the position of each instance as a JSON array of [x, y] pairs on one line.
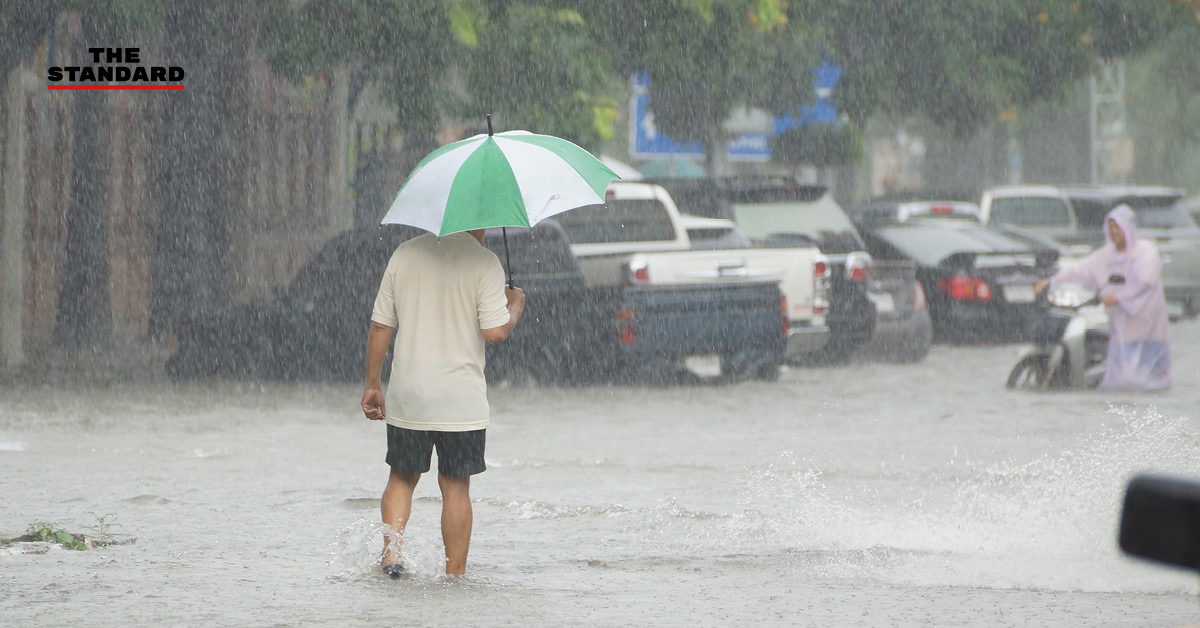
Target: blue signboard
[[647, 142]]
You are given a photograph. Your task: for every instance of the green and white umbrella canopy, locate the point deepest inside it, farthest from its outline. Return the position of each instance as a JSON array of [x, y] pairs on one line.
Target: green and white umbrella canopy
[[511, 179]]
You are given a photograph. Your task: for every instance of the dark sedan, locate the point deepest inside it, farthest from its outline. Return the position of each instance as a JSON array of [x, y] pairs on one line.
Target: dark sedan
[[978, 281], [316, 327]]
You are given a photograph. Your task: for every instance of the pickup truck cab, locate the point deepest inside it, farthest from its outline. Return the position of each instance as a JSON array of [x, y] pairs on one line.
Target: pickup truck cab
[[639, 238], [781, 212]]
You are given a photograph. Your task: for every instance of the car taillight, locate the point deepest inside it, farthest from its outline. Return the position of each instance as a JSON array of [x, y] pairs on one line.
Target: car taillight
[[941, 209], [919, 302], [787, 323], [859, 273], [639, 272], [820, 306], [965, 288], [626, 326], [820, 269]]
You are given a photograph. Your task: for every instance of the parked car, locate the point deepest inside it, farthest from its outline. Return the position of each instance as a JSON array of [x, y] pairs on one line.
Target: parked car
[[639, 238], [1073, 214], [864, 301], [900, 211], [313, 329], [1191, 205], [978, 281]]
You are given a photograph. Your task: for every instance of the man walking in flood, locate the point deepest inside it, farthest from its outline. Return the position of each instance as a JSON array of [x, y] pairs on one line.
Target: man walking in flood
[[444, 297]]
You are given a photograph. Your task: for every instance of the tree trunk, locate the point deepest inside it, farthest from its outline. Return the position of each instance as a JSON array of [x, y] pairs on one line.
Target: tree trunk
[[84, 315], [13, 246], [202, 172], [716, 147]]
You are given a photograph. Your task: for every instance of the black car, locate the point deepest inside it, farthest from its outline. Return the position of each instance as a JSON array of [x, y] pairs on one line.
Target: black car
[[316, 327], [978, 281]]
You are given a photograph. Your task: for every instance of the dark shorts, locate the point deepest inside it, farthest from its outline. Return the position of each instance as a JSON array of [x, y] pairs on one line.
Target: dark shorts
[[460, 454]]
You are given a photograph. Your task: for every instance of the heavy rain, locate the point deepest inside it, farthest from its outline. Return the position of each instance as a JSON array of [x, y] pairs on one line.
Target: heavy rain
[[889, 317]]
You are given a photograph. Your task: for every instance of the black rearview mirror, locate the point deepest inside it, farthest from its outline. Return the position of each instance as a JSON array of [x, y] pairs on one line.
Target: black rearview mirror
[[1160, 520]]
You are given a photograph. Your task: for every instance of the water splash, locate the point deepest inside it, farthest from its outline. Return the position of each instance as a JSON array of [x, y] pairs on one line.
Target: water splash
[[356, 550]]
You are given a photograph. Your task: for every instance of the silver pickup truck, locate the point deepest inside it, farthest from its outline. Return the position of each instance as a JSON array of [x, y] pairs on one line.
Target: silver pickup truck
[[638, 237]]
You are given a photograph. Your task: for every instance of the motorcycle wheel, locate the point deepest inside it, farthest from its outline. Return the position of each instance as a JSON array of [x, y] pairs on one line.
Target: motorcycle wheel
[[1031, 372]]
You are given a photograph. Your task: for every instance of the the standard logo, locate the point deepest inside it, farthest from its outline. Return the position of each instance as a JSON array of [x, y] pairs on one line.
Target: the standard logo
[[112, 76]]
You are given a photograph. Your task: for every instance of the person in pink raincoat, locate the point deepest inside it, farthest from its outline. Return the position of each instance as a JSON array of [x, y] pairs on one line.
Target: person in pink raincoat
[[1127, 274]]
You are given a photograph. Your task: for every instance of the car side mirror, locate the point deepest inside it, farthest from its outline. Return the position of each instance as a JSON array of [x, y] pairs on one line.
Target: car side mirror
[[1160, 520]]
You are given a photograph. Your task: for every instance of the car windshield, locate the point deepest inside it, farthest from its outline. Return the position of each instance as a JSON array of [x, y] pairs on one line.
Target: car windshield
[[1030, 211], [929, 244], [821, 220], [619, 220]]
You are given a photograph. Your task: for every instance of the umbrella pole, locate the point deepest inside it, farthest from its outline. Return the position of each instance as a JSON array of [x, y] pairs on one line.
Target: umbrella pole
[[507, 264]]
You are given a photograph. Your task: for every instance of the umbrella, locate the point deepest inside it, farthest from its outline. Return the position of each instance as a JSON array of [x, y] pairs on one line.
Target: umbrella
[[511, 179]]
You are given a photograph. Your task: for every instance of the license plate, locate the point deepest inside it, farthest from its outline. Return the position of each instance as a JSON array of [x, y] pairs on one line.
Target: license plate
[[884, 302], [1018, 293], [703, 365]]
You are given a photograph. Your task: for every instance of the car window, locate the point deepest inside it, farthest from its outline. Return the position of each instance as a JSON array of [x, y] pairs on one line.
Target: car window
[[699, 201], [1173, 217], [1030, 211], [821, 219], [717, 238], [930, 245], [542, 250], [619, 220], [346, 270], [1089, 213]]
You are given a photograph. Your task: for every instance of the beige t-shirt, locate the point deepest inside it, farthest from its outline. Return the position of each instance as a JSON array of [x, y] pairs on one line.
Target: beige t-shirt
[[438, 294]]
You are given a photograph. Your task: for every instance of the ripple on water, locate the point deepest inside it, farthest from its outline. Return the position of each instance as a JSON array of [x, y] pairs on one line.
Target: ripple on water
[[142, 500]]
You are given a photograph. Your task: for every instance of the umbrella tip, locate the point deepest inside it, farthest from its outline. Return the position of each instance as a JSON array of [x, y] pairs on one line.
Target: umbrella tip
[[489, 121]]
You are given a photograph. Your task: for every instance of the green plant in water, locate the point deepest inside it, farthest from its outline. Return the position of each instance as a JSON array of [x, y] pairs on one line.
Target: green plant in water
[[102, 530], [51, 533]]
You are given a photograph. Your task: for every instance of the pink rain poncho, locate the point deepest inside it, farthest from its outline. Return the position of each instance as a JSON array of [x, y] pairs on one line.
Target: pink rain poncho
[[1138, 353]]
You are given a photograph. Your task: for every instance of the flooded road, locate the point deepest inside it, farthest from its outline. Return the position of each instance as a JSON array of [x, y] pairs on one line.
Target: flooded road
[[866, 495]]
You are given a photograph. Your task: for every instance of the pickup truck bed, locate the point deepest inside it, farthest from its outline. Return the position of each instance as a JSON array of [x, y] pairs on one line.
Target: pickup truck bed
[[670, 329]]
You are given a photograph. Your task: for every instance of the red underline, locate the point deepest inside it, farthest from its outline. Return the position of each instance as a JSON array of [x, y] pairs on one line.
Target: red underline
[[114, 87]]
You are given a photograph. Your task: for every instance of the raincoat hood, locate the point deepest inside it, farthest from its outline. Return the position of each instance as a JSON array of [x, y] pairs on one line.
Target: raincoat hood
[[1127, 221]]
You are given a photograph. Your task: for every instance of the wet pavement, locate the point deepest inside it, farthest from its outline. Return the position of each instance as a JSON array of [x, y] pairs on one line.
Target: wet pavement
[[861, 495]]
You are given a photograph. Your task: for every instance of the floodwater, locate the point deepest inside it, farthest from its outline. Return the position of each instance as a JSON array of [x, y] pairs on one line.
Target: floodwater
[[868, 495]]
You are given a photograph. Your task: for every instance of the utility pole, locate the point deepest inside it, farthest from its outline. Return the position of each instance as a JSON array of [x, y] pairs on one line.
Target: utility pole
[[1111, 150]]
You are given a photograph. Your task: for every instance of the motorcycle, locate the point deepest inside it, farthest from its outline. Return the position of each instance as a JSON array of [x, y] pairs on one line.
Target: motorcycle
[[1069, 346]]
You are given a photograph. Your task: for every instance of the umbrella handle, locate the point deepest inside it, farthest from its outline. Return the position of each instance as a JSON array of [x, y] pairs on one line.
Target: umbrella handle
[[507, 263]]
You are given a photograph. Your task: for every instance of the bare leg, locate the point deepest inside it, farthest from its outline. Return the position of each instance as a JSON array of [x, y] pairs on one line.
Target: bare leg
[[396, 506], [456, 521]]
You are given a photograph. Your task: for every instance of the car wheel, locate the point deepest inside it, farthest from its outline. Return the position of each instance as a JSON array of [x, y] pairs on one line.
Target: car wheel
[[1032, 372], [1191, 308], [767, 372]]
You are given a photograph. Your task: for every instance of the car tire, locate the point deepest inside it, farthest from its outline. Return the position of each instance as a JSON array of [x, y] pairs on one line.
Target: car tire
[[1191, 308]]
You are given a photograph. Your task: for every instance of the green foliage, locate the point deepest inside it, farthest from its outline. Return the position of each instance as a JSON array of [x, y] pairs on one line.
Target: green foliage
[[960, 62], [404, 46], [536, 68], [1163, 106], [52, 533], [128, 16]]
